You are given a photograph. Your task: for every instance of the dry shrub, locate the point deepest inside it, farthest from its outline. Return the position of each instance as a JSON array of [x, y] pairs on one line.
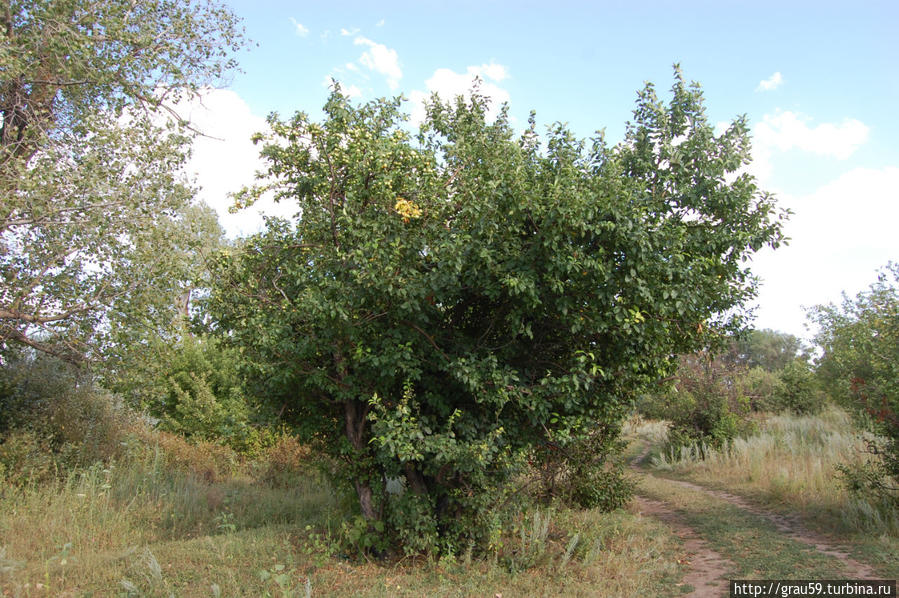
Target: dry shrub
[[26, 458], [88, 425], [284, 463], [207, 460]]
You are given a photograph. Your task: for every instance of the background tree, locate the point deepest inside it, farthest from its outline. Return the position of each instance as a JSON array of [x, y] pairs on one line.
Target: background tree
[[859, 368], [91, 201], [446, 304], [768, 349]]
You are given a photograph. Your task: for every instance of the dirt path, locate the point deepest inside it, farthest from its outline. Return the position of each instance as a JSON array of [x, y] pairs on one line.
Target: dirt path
[[708, 569], [790, 527]]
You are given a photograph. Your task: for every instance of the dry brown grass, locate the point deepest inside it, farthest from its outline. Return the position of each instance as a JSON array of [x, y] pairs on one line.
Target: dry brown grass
[[147, 526]]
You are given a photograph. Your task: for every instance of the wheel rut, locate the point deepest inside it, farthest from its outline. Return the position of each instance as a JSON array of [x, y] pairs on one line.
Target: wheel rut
[[708, 569]]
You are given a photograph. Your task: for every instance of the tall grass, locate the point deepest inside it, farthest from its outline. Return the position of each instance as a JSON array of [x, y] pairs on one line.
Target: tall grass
[[793, 461], [154, 523], [95, 517]]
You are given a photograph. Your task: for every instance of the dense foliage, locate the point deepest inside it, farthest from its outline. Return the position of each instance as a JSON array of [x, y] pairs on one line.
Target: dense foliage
[[860, 369], [764, 370], [191, 386], [706, 406], [97, 233], [799, 390], [53, 418], [448, 302]]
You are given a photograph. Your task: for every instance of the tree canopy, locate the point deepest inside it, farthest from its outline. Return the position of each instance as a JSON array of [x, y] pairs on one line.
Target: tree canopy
[[768, 349], [97, 226], [447, 301]]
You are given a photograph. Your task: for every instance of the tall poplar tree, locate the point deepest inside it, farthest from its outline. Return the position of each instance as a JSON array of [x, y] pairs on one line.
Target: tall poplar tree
[[96, 223]]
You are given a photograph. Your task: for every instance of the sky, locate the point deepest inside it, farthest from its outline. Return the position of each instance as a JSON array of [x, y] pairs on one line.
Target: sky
[[818, 81]]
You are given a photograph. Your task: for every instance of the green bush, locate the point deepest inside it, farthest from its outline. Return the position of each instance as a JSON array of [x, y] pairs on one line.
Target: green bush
[[762, 388], [798, 390], [193, 388], [711, 409], [859, 369], [585, 470]]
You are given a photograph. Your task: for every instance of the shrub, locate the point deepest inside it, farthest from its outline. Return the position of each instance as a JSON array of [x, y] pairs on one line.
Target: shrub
[[584, 471], [798, 390], [283, 463], [55, 418], [26, 458], [858, 368], [193, 388], [209, 461], [712, 411], [762, 388]]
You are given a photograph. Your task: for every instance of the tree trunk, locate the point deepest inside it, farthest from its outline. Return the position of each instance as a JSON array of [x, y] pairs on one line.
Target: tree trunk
[[354, 415], [415, 480], [363, 491]]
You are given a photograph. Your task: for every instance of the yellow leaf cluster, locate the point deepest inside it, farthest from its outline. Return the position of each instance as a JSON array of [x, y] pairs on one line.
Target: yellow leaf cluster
[[407, 209]]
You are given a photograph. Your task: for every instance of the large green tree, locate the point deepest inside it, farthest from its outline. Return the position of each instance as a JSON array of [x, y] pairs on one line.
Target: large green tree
[[96, 224], [447, 302]]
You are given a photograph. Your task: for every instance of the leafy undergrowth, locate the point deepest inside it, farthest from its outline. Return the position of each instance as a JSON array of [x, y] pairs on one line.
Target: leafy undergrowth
[[790, 468], [146, 527]]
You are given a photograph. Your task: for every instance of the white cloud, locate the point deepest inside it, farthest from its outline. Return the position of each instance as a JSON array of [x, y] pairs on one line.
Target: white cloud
[[771, 83], [224, 160], [494, 71], [300, 29], [353, 92], [349, 32], [842, 233], [448, 84], [380, 23], [381, 59], [785, 131]]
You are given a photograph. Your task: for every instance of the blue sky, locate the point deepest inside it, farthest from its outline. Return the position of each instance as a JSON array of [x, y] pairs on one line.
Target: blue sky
[[818, 80]]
